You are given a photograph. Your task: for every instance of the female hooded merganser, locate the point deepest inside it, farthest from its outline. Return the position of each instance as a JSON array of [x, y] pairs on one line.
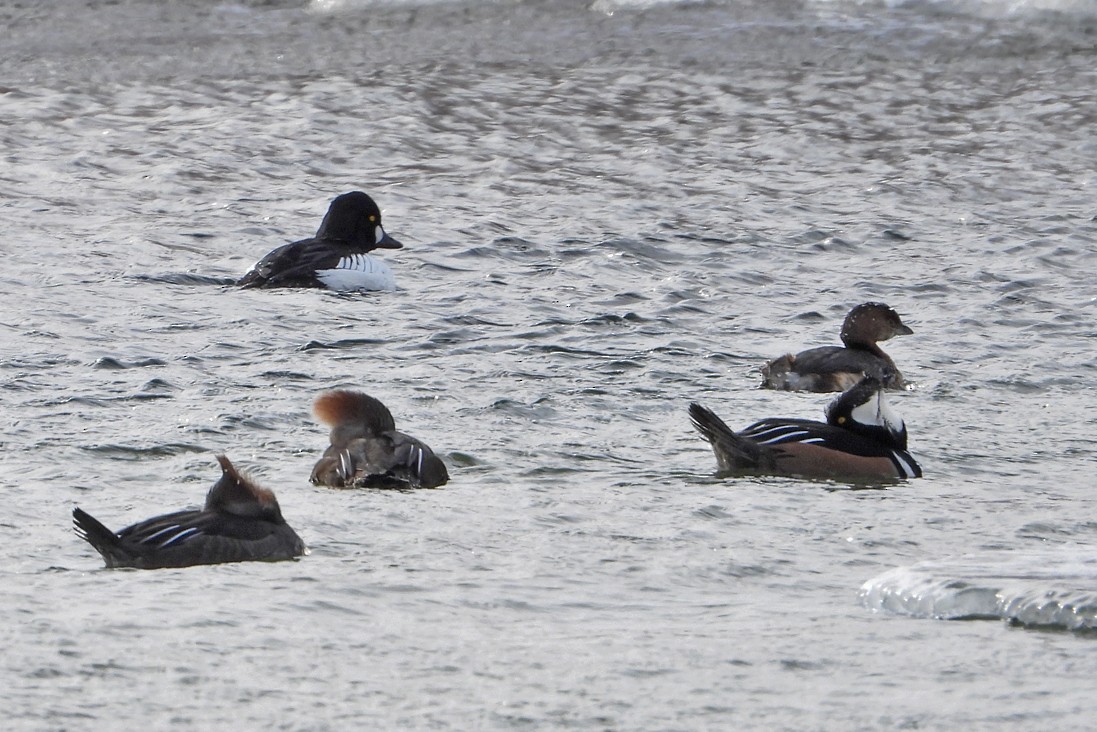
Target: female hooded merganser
[[337, 257], [367, 451], [861, 440], [240, 522], [832, 368]]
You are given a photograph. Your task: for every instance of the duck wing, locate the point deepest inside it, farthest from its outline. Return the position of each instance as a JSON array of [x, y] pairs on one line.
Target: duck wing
[[388, 460], [295, 264]]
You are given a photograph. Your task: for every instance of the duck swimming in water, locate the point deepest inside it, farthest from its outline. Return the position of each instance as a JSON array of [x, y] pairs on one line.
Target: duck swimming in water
[[241, 522], [837, 368], [862, 439], [337, 258], [366, 450]]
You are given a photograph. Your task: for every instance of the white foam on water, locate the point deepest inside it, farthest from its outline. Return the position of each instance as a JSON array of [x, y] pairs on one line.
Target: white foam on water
[[1046, 589]]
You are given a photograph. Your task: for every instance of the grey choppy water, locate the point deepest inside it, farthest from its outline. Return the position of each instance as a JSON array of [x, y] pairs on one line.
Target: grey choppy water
[[609, 210]]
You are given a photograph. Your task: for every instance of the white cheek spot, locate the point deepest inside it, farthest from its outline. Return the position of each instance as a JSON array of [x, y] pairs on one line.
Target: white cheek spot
[[378, 233]]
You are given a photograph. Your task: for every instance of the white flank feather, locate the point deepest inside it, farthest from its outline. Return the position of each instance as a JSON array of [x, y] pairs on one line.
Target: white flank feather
[[358, 272]]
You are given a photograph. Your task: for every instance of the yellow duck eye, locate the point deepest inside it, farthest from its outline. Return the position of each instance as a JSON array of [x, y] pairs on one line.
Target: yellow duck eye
[[373, 219], [841, 420]]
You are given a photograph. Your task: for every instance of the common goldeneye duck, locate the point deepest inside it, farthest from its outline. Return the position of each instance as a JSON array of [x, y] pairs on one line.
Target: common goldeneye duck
[[862, 439], [367, 451], [833, 368], [337, 257], [241, 522]]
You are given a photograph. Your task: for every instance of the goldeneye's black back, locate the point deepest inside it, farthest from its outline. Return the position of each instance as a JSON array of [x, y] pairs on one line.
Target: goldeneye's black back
[[336, 258], [241, 522], [366, 450], [861, 440]]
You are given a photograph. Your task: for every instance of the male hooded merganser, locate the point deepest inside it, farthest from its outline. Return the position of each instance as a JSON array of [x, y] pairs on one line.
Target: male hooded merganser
[[367, 451], [337, 257], [832, 368], [861, 440], [240, 522]]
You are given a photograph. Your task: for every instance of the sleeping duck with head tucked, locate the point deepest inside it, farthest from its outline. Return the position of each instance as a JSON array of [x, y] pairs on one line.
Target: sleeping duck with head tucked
[[862, 440], [837, 368], [367, 451], [240, 522]]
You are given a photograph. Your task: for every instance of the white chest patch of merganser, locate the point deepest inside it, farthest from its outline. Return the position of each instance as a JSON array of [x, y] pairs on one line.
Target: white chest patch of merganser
[[358, 272]]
